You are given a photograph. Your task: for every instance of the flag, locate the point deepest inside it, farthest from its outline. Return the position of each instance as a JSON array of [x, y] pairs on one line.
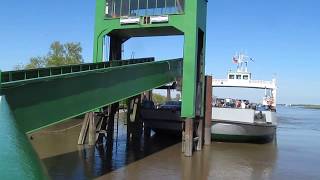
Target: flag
[[235, 60]]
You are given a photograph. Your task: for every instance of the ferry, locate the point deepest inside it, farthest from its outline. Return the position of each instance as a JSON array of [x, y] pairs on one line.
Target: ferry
[[239, 120]]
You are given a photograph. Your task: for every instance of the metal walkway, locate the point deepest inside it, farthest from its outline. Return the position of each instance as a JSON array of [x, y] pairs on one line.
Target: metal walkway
[[34, 99]]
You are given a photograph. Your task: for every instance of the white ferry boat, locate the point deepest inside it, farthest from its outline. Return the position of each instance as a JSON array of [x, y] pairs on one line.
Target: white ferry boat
[[238, 120]]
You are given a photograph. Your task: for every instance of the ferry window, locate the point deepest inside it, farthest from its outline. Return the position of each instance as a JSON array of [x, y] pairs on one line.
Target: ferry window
[[238, 76], [231, 76], [124, 8], [245, 77]]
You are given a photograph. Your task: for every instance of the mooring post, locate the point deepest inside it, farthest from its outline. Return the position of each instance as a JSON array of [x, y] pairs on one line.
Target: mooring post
[[208, 110], [188, 137]]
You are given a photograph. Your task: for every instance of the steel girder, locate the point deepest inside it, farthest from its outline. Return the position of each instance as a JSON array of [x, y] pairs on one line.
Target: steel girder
[[31, 104], [40, 102]]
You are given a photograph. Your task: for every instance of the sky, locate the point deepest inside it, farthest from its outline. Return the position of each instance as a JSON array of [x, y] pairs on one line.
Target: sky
[[281, 35]]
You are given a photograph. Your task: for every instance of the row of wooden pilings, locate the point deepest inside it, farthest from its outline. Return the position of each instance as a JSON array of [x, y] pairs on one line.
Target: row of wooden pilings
[[197, 131], [98, 126]]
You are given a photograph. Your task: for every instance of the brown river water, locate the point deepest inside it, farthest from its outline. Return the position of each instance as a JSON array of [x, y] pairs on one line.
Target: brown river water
[[295, 154]]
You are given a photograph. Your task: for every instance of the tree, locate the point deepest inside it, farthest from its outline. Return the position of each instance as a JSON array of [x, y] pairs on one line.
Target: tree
[[36, 62], [58, 55], [158, 98], [18, 67]]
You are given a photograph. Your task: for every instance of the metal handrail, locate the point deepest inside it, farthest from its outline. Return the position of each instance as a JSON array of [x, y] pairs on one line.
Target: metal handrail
[[20, 75], [250, 81]]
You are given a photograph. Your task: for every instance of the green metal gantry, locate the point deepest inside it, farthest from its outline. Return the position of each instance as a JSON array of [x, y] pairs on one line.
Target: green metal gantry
[[125, 19]]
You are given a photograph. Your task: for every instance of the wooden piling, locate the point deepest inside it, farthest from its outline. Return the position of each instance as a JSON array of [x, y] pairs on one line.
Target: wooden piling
[[92, 129], [130, 103], [188, 137], [134, 124], [110, 124], [102, 125], [200, 134], [208, 110], [84, 130]]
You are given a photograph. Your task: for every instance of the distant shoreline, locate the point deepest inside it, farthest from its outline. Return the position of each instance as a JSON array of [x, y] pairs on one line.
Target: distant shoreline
[[307, 106]]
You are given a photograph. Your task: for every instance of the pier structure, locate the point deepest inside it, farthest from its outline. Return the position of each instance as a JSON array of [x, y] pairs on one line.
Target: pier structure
[[34, 99]]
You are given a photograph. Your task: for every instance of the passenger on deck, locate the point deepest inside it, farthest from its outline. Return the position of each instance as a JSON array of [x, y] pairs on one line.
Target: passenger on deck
[[243, 105], [238, 104]]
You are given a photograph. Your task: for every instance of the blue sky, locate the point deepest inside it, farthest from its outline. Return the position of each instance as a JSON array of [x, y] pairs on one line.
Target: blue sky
[[282, 35]]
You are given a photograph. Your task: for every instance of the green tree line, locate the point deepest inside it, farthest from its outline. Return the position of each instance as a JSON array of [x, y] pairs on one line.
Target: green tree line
[[59, 54]]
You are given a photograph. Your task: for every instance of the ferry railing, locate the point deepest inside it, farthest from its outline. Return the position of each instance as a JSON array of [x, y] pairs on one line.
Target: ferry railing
[[259, 83]]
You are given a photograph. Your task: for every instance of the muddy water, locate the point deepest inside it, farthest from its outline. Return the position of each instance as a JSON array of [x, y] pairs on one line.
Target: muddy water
[[294, 155]]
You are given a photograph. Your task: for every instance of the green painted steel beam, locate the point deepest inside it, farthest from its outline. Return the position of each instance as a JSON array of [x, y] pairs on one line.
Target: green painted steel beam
[[18, 160], [40, 102]]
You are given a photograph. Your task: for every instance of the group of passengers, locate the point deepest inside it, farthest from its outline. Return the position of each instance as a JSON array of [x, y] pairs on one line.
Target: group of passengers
[[231, 103]]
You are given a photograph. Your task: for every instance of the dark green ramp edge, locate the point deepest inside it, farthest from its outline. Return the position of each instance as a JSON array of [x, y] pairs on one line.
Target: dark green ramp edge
[[18, 160], [40, 102]]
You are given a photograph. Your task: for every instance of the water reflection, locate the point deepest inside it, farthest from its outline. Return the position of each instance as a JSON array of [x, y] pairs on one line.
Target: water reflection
[[161, 158], [92, 162], [295, 155]]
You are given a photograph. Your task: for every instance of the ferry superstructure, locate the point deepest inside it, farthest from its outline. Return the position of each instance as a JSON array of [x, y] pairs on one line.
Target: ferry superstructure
[[238, 119]]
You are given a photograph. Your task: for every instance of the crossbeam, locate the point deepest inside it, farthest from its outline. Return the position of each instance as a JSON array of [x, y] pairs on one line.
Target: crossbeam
[[39, 102]]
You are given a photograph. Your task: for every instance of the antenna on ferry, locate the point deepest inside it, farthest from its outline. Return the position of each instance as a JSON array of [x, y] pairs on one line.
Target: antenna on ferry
[[242, 61]]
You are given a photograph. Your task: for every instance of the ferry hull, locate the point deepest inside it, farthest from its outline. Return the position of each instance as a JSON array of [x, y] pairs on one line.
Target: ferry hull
[[242, 132]]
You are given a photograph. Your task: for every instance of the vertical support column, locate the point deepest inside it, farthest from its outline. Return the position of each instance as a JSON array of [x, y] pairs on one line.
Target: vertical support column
[[150, 95], [208, 110], [115, 48], [147, 96], [189, 75], [168, 94], [110, 124], [188, 137]]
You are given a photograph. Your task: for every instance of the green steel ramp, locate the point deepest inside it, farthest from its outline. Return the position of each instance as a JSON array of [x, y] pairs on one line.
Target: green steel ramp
[[34, 99]]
